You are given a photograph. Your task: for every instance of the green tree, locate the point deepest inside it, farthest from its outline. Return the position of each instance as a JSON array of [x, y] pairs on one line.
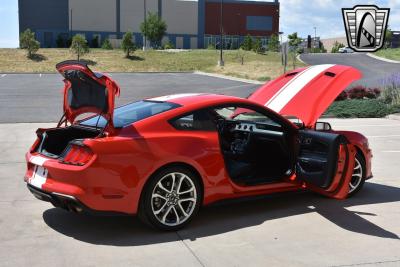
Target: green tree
[[336, 46], [106, 44], [273, 44], [127, 44], [247, 44], [27, 41], [257, 46], [294, 42], [153, 28], [388, 37], [79, 45]]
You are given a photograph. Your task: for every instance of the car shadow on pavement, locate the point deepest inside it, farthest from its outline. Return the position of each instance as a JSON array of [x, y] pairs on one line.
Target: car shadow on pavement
[[228, 216]]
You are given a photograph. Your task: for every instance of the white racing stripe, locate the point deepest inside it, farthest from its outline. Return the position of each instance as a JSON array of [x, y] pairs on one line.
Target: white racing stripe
[[171, 97], [294, 86], [39, 177], [38, 160]]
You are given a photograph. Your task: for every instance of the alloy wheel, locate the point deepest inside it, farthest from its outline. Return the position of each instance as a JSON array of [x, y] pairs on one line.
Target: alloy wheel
[[173, 199], [357, 176]]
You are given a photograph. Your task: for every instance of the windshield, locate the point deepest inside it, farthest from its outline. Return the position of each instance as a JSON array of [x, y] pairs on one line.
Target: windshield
[[131, 113]]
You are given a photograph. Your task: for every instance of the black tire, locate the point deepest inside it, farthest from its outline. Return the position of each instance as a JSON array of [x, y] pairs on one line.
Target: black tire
[[360, 159], [150, 202]]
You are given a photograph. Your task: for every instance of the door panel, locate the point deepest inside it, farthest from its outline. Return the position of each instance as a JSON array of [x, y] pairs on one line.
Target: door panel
[[325, 162]]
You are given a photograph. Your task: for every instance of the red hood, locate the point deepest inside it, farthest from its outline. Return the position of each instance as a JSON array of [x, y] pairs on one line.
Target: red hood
[[306, 92], [86, 91]]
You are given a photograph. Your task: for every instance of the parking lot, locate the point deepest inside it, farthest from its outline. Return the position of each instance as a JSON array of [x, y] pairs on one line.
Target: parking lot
[[300, 229], [38, 97]]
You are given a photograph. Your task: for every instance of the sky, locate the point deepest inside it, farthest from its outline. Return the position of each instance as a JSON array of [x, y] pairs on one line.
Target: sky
[[296, 16]]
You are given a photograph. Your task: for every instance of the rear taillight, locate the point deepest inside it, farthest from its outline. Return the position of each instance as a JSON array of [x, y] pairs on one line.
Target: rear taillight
[[77, 155], [35, 144]]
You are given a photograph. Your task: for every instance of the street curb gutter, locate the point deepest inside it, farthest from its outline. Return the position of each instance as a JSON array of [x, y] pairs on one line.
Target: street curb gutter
[[382, 59], [228, 77]]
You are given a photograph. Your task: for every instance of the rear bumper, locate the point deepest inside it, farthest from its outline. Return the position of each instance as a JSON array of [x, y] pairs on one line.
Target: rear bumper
[[67, 202]]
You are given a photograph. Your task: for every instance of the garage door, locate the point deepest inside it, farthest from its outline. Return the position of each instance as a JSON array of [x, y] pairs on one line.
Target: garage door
[[179, 42]]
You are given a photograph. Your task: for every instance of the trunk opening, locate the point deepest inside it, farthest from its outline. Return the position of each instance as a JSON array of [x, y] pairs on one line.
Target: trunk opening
[[54, 141]]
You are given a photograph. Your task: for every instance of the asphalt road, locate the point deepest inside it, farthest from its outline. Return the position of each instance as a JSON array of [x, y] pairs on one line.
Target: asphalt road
[[38, 97], [374, 70], [286, 230]]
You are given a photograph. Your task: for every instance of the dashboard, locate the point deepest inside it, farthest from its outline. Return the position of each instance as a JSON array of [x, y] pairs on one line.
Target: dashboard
[[260, 128]]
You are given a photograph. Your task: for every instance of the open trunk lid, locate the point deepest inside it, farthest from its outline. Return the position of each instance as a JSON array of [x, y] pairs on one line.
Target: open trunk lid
[[306, 92], [86, 91]]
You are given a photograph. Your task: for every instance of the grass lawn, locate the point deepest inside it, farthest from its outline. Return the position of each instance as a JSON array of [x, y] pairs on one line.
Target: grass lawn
[[256, 66], [390, 53]]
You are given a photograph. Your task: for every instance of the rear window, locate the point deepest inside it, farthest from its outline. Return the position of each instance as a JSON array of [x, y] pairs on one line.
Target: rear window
[[131, 113]]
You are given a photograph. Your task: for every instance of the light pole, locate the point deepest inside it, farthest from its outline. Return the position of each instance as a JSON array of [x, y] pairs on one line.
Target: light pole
[[145, 25], [221, 29], [283, 53]]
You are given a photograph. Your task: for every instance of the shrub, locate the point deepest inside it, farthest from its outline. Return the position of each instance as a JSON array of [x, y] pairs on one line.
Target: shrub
[[342, 96], [395, 109], [357, 108], [357, 92], [211, 46], [79, 45], [273, 44], [247, 43], [60, 42], [27, 41], [372, 93], [68, 42], [336, 46], [257, 46], [168, 45], [106, 44], [95, 42], [391, 92], [127, 44]]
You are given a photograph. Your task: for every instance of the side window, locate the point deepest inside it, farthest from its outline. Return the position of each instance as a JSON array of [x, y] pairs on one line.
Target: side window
[[197, 121]]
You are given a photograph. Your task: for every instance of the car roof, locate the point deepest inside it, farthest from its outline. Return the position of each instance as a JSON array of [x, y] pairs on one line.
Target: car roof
[[197, 99]]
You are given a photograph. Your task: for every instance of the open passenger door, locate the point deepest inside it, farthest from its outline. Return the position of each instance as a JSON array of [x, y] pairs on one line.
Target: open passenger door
[[325, 163], [86, 91]]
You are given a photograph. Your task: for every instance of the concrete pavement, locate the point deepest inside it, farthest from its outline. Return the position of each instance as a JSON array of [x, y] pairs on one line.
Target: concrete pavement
[[285, 230]]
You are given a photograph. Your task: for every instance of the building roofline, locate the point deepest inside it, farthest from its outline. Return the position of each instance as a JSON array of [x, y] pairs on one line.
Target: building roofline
[[241, 2]]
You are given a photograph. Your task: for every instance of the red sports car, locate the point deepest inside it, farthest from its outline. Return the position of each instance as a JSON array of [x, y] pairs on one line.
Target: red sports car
[[163, 158]]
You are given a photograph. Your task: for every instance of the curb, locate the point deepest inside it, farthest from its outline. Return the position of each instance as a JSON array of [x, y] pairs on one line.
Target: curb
[[228, 77], [299, 59], [382, 59], [395, 116]]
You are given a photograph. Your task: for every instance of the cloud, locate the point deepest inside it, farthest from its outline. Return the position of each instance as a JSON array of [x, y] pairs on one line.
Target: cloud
[[302, 16]]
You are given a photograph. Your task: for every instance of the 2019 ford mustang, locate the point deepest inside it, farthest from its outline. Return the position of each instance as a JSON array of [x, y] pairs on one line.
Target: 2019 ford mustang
[[164, 157]]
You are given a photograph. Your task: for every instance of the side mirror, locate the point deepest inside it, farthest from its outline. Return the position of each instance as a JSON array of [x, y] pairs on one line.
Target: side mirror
[[322, 126]]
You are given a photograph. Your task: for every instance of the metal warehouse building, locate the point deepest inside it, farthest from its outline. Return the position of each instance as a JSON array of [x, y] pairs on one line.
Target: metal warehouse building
[[191, 24]]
